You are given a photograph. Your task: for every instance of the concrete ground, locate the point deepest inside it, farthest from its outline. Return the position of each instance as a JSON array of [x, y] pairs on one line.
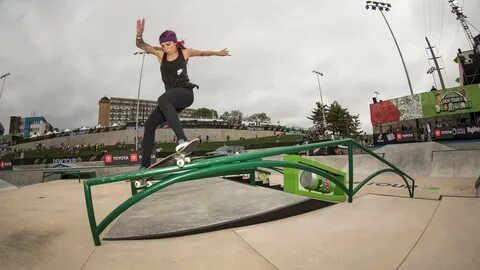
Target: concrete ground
[[45, 226]]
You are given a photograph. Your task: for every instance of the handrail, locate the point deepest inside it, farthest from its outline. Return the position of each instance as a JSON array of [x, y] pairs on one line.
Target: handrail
[[223, 166]]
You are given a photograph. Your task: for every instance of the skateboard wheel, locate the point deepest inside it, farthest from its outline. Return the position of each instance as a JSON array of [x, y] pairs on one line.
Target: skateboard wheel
[[149, 184], [188, 160], [138, 184], [180, 163]]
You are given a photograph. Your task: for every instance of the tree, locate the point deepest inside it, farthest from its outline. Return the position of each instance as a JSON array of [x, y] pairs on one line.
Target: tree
[[259, 118], [317, 118], [225, 116], [232, 117], [339, 121], [205, 113]]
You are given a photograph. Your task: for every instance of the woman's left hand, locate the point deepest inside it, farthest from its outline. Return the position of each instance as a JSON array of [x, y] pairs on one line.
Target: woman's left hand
[[224, 52]]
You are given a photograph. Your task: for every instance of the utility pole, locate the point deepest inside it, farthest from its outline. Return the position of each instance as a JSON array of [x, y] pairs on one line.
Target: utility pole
[[434, 58], [457, 10]]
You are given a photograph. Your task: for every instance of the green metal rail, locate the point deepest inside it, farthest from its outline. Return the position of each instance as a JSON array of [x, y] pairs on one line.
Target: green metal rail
[[220, 166]]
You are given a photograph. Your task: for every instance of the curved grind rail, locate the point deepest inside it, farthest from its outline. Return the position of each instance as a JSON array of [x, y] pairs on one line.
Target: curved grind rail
[[245, 163]]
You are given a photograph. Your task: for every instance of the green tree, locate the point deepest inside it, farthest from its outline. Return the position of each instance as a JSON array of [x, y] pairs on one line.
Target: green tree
[[232, 117], [339, 121], [259, 118], [205, 113], [317, 117]]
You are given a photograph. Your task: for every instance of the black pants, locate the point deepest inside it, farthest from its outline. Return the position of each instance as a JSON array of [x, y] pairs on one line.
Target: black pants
[[170, 104]]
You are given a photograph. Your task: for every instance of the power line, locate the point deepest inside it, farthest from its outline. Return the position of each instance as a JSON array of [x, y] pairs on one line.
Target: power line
[[430, 19], [442, 12], [424, 19], [472, 26]]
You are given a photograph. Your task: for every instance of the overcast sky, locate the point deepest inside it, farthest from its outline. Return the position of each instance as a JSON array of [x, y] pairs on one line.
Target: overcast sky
[[66, 55]]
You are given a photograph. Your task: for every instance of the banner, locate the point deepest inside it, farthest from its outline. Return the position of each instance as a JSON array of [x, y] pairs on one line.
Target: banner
[[407, 136], [384, 138], [451, 101], [5, 165], [384, 112], [124, 158], [446, 133], [462, 99]]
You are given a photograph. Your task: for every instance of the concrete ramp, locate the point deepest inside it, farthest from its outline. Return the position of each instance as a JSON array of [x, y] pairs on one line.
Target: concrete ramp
[[452, 239], [427, 187], [413, 158], [374, 232], [460, 163], [4, 186], [206, 205]]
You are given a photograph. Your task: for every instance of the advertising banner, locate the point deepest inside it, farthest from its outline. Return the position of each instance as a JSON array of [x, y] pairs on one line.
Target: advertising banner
[[446, 133], [456, 100], [406, 136], [5, 165], [462, 99], [384, 138], [123, 158]]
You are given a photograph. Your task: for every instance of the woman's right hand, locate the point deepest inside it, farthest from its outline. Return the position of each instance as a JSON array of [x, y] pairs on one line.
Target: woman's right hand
[[140, 26]]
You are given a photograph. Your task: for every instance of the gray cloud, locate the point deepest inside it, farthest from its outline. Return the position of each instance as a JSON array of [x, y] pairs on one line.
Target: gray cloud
[[65, 55]]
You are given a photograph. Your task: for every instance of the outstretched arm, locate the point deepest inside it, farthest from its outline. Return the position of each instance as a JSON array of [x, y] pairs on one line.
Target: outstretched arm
[[141, 44], [193, 52]]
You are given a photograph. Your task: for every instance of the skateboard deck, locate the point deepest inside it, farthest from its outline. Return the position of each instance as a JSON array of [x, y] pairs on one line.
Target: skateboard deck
[[180, 158]]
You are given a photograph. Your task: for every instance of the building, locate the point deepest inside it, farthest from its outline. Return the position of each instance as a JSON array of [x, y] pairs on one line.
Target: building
[[15, 125], [29, 126], [123, 111]]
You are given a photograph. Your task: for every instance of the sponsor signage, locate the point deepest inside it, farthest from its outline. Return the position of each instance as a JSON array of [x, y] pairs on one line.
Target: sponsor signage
[[405, 137], [123, 158], [5, 165], [441, 133], [457, 132], [398, 137], [66, 160]]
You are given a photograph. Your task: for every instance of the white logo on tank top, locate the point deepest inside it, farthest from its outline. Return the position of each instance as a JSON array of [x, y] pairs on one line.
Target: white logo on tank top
[[179, 71]]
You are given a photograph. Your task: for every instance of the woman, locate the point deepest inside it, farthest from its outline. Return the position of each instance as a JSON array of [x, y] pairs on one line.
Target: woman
[[173, 57]]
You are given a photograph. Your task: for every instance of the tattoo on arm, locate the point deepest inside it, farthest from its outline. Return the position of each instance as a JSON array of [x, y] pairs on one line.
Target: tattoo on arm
[[140, 43]]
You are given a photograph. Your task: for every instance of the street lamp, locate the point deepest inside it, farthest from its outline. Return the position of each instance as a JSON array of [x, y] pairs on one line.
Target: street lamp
[[138, 98], [4, 77], [374, 5], [321, 98]]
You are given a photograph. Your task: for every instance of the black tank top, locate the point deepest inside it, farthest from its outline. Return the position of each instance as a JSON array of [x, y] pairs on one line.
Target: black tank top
[[174, 73]]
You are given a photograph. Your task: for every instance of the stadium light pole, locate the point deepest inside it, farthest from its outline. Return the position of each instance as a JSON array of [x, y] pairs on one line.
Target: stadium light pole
[[4, 77], [321, 99], [380, 6], [138, 98]]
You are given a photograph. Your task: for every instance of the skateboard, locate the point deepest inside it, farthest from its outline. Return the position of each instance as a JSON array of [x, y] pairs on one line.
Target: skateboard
[[180, 157]]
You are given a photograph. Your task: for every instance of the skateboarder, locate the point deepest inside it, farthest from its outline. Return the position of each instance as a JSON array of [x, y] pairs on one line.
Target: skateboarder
[[173, 57]]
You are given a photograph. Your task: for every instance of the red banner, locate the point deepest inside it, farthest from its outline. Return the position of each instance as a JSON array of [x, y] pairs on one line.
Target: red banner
[[384, 112]]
